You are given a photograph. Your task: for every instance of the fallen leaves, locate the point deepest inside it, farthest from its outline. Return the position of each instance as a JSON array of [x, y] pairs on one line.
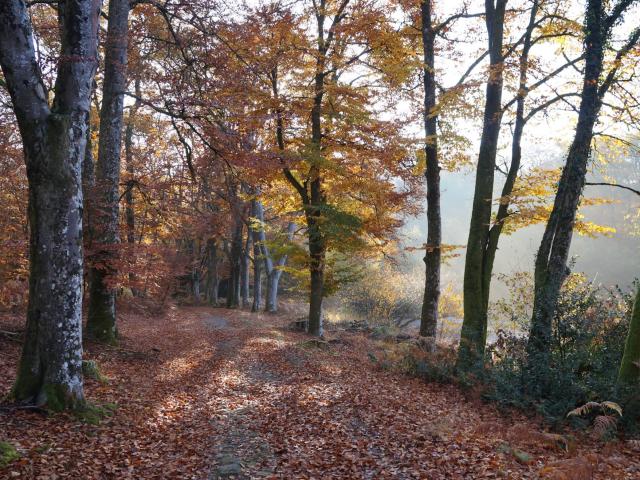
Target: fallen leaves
[[579, 468], [243, 393]]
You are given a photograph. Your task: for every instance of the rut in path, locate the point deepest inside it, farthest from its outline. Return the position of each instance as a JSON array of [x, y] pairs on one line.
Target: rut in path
[[240, 451]]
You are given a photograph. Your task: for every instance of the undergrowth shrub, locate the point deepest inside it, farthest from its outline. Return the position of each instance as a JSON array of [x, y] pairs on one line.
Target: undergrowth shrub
[[410, 358], [390, 294], [589, 331]]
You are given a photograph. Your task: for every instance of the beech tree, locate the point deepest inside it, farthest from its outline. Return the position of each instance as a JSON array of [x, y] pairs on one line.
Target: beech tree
[[101, 319], [433, 254], [431, 28], [551, 260], [474, 327], [273, 268], [342, 170], [519, 204], [54, 140]]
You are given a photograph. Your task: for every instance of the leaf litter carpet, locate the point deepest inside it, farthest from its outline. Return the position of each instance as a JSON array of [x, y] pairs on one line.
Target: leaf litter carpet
[[202, 393]]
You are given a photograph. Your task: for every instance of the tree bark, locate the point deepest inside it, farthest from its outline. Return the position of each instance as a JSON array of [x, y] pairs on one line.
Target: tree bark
[[275, 272], [432, 258], [516, 154], [257, 277], [254, 231], [101, 320], [54, 141], [213, 278], [476, 294], [235, 260], [195, 270], [129, 199], [88, 183], [244, 272], [629, 372]]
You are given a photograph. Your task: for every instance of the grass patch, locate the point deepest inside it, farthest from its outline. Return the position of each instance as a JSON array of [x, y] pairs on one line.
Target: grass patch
[[8, 454], [95, 414], [90, 369]]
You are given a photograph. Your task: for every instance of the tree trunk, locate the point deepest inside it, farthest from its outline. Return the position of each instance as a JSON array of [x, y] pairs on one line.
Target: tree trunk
[[316, 198], [273, 269], [54, 142], [254, 231], [551, 261], [629, 372], [432, 258], [516, 156], [317, 254], [257, 276], [88, 183], [516, 153], [275, 273], [101, 320], [271, 302], [235, 260], [476, 277], [244, 272], [195, 272], [129, 213], [213, 278]]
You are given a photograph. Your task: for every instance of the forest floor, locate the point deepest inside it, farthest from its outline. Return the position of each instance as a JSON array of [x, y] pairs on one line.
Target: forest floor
[[203, 393]]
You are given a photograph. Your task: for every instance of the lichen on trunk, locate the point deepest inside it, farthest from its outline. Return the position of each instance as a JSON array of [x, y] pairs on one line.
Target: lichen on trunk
[[54, 140]]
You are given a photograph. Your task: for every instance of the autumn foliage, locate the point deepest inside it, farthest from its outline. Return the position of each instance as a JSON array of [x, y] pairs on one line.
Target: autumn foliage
[[161, 160]]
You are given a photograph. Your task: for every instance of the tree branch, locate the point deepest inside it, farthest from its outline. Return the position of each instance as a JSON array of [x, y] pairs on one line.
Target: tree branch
[[605, 184]]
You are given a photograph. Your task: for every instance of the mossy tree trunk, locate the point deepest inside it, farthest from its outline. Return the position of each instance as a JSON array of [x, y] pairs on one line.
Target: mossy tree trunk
[[494, 231], [629, 373], [54, 140], [474, 327], [101, 320]]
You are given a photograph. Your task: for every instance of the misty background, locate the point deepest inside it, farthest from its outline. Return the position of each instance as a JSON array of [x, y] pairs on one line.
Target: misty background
[[606, 260]]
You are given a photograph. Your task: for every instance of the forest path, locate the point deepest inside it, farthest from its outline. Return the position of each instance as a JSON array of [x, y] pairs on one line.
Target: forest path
[[208, 394]]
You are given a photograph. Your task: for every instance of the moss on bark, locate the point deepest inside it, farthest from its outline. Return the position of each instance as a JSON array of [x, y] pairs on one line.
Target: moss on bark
[[629, 372], [58, 398], [101, 321]]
